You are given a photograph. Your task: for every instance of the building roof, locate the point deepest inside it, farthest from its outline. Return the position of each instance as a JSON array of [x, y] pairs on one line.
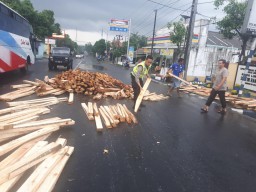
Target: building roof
[[217, 39]]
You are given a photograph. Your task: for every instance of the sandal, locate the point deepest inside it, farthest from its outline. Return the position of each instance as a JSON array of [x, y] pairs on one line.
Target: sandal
[[204, 110]]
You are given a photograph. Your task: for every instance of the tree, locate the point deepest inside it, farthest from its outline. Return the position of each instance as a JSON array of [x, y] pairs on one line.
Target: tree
[[43, 23], [137, 41], [89, 48], [231, 24], [99, 47], [67, 42], [177, 36]]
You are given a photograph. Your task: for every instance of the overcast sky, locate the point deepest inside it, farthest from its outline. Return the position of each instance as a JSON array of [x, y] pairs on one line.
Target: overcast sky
[[89, 17]]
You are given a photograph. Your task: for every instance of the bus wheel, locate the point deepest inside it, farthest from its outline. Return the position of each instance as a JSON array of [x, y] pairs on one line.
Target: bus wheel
[[24, 69]]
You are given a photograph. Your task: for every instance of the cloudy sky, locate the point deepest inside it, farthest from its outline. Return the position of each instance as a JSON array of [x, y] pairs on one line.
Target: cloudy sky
[[90, 17]]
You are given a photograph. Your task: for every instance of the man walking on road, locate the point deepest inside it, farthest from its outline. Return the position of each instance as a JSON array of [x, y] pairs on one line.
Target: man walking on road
[[219, 88], [177, 70], [138, 73]]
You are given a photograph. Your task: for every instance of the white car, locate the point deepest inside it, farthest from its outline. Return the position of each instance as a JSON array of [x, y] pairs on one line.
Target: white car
[[79, 56]]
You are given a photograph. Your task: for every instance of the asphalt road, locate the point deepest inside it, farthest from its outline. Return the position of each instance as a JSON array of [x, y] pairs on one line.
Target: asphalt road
[[174, 148]]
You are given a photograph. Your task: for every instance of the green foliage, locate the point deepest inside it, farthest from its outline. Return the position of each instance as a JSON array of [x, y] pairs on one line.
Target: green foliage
[[230, 25], [89, 48], [99, 47], [177, 36], [67, 42], [137, 41], [43, 23]]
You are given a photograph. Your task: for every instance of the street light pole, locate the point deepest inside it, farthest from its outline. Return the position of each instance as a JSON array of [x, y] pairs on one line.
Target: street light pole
[[190, 35], [152, 46]]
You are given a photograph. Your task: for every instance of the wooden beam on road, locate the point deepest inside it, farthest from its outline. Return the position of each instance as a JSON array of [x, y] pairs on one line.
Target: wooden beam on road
[[141, 95]]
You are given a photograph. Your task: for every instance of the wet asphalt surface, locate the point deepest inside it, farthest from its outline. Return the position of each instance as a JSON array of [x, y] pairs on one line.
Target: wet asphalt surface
[[174, 148]]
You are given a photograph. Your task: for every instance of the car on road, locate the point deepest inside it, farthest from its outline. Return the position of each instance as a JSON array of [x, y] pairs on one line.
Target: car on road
[[60, 56], [79, 56]]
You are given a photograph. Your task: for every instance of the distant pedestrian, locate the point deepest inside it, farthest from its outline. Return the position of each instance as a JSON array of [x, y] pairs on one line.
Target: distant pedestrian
[[176, 69], [138, 73], [219, 88]]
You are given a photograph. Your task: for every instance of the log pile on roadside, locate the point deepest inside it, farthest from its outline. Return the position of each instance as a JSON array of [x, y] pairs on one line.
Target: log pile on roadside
[[91, 83], [234, 100], [23, 149], [98, 85], [112, 115]]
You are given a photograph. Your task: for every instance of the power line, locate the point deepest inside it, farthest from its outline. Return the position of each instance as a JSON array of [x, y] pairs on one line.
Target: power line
[[166, 5], [141, 27], [145, 34]]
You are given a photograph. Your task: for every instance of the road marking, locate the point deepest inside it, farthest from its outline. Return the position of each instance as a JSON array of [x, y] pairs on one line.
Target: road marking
[[78, 65]]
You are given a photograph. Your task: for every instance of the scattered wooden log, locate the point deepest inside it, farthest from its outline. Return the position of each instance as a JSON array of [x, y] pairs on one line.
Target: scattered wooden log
[[86, 110], [50, 181], [140, 97], [105, 118], [19, 141], [71, 98]]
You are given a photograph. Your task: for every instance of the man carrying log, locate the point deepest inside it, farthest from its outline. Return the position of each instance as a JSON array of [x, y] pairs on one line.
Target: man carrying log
[[138, 73], [176, 69], [219, 88]]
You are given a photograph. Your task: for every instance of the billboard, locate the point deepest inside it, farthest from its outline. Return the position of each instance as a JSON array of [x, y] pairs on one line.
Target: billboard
[[249, 25], [50, 41], [119, 25], [250, 82]]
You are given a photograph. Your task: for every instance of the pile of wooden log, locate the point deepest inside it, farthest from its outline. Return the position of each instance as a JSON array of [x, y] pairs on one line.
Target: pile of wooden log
[[22, 143], [91, 83], [112, 115], [234, 100]]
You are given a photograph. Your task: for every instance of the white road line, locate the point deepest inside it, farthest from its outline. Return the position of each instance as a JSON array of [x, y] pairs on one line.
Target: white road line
[[78, 65]]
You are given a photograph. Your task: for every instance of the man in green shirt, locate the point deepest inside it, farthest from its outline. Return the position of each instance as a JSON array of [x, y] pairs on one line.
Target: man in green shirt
[[138, 73]]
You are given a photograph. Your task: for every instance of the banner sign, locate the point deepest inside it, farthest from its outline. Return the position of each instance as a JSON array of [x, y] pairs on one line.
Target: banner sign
[[119, 25], [250, 82], [131, 53]]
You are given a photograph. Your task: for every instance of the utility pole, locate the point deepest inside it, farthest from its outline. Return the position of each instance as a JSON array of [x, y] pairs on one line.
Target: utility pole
[[152, 46], [129, 34], [190, 35]]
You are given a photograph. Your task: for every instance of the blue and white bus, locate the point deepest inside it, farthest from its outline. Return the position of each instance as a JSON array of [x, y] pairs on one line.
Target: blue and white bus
[[16, 40]]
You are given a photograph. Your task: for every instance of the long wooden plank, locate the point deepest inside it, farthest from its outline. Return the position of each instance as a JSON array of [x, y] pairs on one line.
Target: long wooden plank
[[32, 101], [95, 109], [133, 118], [11, 98], [108, 116], [35, 111], [105, 118], [31, 82], [19, 141], [121, 114], [49, 183], [184, 81], [71, 98], [44, 93], [41, 172], [111, 115], [24, 164], [98, 122], [6, 186], [86, 110], [90, 108], [20, 86], [127, 117], [141, 95]]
